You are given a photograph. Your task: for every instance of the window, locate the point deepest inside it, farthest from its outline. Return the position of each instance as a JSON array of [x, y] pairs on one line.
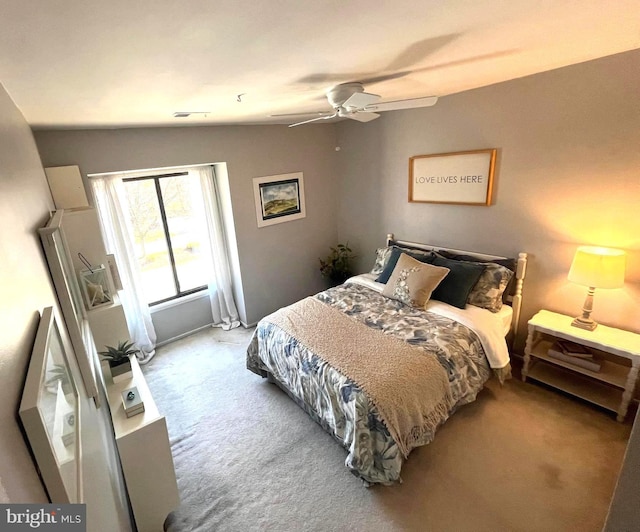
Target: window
[[169, 230]]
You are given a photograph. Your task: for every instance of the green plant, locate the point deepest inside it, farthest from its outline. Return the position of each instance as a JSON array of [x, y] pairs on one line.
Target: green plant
[[120, 353], [337, 266]]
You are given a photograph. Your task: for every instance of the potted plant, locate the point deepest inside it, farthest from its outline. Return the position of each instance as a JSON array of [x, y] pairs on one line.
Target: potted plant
[[119, 359], [337, 266]]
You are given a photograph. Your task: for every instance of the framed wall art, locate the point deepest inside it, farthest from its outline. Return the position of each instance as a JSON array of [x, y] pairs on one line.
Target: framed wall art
[[463, 178], [279, 198]]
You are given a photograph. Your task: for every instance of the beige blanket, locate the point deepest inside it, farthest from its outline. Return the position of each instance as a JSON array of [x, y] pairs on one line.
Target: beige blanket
[[408, 386]]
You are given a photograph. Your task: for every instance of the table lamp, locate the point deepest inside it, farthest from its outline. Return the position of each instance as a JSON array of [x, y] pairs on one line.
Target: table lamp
[[595, 267]]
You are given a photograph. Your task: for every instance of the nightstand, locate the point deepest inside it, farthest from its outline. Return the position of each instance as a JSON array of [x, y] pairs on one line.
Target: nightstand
[[617, 351]]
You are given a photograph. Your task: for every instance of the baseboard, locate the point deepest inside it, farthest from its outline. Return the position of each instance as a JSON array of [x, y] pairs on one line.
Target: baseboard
[[183, 335], [194, 331]]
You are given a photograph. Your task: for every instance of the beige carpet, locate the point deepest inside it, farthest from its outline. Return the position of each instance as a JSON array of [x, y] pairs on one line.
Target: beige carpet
[[248, 458]]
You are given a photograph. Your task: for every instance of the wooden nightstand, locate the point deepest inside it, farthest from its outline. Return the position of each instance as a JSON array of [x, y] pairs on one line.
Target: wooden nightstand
[[618, 352]]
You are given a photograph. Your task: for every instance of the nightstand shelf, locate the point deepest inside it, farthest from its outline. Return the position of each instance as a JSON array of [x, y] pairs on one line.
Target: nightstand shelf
[[618, 352]]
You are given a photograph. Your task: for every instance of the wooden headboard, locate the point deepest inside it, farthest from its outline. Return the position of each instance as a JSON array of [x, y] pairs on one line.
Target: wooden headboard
[[514, 299]]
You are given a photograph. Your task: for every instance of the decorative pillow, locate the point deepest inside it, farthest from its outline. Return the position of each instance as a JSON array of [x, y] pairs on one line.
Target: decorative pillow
[[412, 281], [422, 256], [382, 257], [487, 292], [510, 264], [455, 288]]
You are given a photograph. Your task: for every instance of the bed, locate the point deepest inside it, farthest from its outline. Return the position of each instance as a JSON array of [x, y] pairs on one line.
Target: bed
[[383, 360]]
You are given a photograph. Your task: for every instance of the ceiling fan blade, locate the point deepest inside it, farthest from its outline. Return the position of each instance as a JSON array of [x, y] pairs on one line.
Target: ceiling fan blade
[[360, 100], [314, 120], [364, 116], [310, 113], [403, 104]]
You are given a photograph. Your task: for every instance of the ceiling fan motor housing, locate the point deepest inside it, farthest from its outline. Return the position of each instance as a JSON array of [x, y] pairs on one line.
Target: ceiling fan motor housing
[[341, 93]]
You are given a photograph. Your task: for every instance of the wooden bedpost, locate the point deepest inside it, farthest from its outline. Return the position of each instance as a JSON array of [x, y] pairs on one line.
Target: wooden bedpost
[[516, 304], [389, 238]]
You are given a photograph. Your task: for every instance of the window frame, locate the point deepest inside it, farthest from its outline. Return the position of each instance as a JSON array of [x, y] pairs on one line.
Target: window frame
[[167, 236]]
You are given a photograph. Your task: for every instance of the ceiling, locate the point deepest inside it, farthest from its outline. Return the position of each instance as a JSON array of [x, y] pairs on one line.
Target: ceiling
[[123, 63]]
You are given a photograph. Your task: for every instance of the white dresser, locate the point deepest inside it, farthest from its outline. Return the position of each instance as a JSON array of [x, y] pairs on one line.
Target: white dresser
[[145, 453]]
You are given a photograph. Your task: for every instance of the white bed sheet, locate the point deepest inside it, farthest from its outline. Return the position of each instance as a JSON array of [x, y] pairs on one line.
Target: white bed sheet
[[491, 327]]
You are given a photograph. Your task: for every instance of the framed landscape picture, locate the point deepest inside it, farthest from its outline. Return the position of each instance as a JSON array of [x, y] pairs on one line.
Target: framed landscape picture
[[279, 198]]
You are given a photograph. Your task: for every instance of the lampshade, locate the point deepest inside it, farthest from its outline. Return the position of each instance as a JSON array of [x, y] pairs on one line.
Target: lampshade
[[598, 267]]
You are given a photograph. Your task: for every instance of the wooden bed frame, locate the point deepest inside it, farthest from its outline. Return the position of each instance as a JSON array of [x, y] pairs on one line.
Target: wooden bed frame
[[515, 299]]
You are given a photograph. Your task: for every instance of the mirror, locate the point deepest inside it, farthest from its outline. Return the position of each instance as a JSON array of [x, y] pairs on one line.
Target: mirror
[[49, 412], [69, 296]]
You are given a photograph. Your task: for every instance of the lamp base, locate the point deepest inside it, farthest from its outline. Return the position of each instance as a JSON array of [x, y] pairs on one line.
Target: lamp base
[[587, 324]]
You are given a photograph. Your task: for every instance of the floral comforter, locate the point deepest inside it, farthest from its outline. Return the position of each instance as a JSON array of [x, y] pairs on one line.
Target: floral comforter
[[337, 403]]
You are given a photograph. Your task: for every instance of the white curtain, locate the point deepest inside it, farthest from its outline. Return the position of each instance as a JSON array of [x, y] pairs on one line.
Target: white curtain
[[223, 307], [111, 203]]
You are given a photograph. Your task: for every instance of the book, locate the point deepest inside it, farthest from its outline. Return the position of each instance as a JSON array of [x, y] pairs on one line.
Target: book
[[132, 401], [592, 364], [135, 411], [573, 349]]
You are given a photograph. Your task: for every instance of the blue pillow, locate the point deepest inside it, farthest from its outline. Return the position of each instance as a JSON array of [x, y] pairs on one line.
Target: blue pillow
[[422, 256], [454, 289]]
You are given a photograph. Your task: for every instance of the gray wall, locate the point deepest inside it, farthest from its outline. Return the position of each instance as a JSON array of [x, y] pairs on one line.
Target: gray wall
[[26, 289], [567, 174], [279, 263]]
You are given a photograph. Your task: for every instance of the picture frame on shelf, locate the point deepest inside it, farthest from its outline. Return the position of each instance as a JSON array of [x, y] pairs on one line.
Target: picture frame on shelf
[[279, 198], [460, 178]]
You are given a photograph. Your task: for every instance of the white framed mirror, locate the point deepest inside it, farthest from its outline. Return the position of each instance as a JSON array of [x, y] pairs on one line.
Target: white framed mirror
[[50, 413], [69, 296]]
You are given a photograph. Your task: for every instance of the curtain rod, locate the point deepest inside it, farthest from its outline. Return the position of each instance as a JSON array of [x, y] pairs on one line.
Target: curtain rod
[[150, 170]]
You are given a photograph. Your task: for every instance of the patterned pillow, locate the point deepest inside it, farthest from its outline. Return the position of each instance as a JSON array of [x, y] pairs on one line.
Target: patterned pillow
[[382, 257], [412, 281], [487, 292], [422, 256], [510, 264]]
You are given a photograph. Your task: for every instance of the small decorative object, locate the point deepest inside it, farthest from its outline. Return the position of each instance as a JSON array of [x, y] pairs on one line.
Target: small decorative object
[[119, 361], [595, 267], [95, 287], [464, 178], [132, 402], [279, 198], [337, 266]]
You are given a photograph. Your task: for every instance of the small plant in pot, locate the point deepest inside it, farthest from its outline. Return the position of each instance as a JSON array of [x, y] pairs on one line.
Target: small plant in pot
[[119, 359], [337, 266]]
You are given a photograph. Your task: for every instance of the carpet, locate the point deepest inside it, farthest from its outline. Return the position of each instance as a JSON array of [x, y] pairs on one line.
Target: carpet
[[520, 458]]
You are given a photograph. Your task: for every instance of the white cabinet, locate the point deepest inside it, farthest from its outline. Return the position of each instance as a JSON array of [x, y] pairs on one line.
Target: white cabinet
[[65, 183], [145, 454], [108, 325]]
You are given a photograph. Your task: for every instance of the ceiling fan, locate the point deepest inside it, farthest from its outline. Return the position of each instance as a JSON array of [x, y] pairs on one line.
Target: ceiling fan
[[350, 101]]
